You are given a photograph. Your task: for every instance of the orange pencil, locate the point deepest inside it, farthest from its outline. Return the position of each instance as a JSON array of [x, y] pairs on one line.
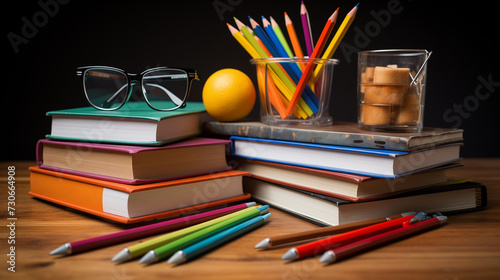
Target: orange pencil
[[310, 65], [293, 38]]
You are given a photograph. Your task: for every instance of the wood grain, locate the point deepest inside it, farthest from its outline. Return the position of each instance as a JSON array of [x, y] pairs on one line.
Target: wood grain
[[467, 247]]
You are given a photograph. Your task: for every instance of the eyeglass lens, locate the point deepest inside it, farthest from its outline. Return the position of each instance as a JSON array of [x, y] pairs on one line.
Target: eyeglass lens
[[106, 89], [165, 88]]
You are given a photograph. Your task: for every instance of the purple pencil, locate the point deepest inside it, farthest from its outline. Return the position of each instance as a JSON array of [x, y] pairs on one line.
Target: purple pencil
[[135, 233], [306, 25]]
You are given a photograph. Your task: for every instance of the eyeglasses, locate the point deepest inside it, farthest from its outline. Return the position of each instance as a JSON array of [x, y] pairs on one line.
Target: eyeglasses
[[163, 88]]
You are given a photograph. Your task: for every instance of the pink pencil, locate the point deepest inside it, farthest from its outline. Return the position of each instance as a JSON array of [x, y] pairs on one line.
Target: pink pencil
[[309, 67], [134, 233], [306, 26]]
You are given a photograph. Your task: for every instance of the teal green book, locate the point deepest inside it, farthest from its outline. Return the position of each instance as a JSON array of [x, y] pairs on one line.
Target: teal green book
[[134, 124]]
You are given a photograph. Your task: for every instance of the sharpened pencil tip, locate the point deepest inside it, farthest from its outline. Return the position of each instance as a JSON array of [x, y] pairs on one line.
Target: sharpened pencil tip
[[291, 255], [177, 258], [123, 255], [62, 250], [149, 257], [357, 5], [328, 257], [264, 244]]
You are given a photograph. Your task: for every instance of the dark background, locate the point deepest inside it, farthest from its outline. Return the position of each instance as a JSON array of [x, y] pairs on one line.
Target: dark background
[[463, 77]]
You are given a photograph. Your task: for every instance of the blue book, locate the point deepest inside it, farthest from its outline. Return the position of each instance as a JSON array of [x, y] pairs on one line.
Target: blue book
[[369, 162]]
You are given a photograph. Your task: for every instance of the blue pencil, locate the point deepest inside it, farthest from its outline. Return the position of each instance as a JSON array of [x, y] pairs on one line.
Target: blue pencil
[[263, 37], [214, 241], [295, 73]]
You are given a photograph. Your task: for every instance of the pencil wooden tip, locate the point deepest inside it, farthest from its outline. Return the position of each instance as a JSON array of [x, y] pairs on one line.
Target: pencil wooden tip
[[333, 17], [265, 22], [287, 19], [232, 29]]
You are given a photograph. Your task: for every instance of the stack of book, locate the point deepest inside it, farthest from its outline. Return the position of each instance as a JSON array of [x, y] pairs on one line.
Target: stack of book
[[340, 174], [134, 164]]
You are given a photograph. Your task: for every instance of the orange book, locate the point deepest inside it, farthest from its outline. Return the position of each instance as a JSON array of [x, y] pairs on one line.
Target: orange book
[[127, 203]]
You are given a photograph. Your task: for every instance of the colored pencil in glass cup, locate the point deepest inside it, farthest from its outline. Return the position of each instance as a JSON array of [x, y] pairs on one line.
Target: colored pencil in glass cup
[[310, 65]]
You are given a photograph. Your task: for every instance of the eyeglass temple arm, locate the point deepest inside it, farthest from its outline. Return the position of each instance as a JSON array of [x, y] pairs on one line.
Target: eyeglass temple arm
[[177, 101]]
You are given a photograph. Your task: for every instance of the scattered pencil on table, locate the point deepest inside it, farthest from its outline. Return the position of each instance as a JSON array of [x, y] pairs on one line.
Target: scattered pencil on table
[[140, 249], [366, 244], [321, 232], [322, 245], [212, 242], [170, 248], [144, 231]]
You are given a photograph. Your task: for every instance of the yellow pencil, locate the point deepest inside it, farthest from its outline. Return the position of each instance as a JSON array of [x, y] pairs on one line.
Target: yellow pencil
[[243, 42], [332, 47], [276, 67]]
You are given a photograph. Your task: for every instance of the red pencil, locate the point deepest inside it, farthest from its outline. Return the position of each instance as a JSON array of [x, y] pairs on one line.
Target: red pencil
[[310, 65], [320, 246], [380, 239]]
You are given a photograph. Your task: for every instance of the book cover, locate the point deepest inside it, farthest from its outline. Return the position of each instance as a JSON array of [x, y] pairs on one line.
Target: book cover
[[339, 133], [346, 186], [368, 162], [452, 198], [135, 123], [134, 164], [113, 201]]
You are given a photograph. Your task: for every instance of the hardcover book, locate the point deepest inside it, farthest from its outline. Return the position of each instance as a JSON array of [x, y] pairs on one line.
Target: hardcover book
[[135, 123], [339, 133], [135, 203], [459, 196], [368, 162], [134, 164], [346, 186]]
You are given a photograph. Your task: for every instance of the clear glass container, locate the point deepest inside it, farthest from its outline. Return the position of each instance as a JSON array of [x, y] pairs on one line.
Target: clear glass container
[[277, 79], [391, 89]]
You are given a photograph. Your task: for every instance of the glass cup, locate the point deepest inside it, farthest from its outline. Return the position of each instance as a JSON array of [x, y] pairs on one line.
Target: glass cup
[[277, 79], [391, 89]]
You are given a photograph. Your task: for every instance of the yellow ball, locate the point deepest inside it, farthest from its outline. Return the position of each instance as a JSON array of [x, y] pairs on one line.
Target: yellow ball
[[228, 95]]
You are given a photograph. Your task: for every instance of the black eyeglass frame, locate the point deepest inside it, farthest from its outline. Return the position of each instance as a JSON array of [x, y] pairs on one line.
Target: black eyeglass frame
[[192, 75]]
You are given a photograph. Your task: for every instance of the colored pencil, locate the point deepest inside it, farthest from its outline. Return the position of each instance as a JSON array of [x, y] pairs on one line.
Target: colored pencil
[[293, 37], [140, 249], [276, 67], [306, 26], [309, 67], [263, 37], [320, 246], [217, 240], [281, 37], [170, 248], [321, 232], [381, 239], [243, 42], [337, 38], [144, 231], [292, 69]]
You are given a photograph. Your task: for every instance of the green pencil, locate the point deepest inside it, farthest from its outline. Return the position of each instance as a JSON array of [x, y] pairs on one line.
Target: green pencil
[[169, 249], [140, 249], [281, 37]]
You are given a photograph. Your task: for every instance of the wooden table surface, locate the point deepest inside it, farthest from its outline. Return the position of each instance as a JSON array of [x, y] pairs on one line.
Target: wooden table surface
[[467, 247]]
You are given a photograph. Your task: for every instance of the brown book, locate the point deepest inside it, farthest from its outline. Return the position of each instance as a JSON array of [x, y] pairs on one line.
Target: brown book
[[346, 186], [339, 133]]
